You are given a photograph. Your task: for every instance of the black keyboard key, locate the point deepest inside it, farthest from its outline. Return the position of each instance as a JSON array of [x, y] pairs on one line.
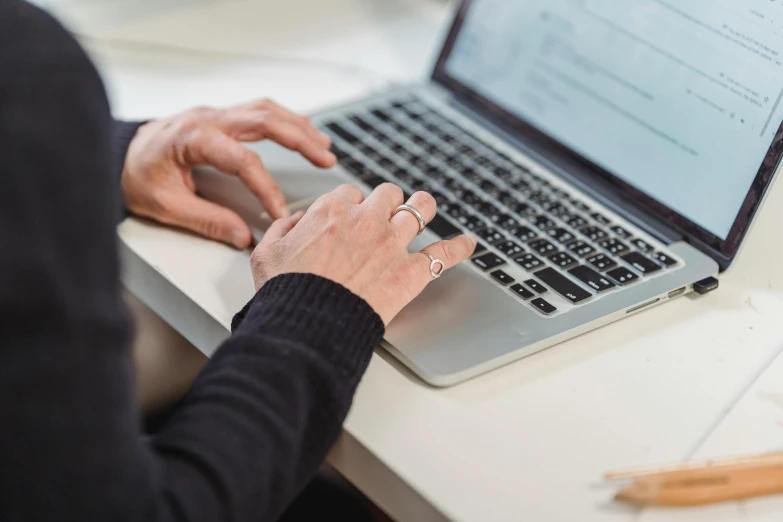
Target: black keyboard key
[[504, 174], [620, 232], [490, 235], [524, 234], [521, 185], [593, 233], [561, 235], [440, 197], [544, 222], [454, 210], [543, 247], [357, 168], [581, 249], [502, 277], [523, 209], [504, 221], [575, 221], [600, 218], [442, 227], [581, 206], [362, 123], [510, 249], [471, 222], [544, 306], [563, 285], [339, 130], [623, 276], [507, 198], [641, 245], [592, 278], [529, 262], [558, 210], [381, 115], [602, 262], [665, 259], [522, 292], [562, 260], [481, 248], [488, 262], [641, 263], [490, 188], [613, 246], [469, 197], [373, 181], [536, 286], [485, 208], [339, 153]]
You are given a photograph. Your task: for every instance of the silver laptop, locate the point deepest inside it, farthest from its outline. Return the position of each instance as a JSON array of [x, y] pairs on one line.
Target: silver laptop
[[609, 155]]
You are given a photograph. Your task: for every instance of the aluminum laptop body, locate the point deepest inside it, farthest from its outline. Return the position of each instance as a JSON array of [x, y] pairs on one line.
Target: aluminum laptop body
[[652, 128]]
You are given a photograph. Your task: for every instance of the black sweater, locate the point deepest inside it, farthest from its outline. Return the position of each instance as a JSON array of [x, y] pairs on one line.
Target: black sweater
[[259, 419]]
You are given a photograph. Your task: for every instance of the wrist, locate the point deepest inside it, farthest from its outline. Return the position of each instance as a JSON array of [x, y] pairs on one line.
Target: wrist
[[318, 313]]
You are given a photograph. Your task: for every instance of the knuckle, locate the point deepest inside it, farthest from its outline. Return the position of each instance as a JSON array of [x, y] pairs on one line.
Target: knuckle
[[266, 104], [392, 189], [449, 254], [186, 127]]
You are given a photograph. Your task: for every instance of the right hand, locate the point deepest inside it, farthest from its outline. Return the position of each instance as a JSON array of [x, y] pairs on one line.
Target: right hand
[[359, 244]]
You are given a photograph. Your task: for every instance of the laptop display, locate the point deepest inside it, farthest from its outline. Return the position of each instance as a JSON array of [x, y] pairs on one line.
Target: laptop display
[[678, 103]]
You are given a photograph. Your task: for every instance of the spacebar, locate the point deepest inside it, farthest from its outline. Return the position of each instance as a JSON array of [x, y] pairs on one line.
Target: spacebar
[[562, 285]]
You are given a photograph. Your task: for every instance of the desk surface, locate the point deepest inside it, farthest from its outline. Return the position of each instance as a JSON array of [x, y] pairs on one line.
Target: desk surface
[[530, 441]]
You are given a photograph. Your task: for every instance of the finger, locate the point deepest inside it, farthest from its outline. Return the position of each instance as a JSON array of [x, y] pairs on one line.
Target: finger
[[188, 211], [350, 193], [405, 223], [385, 199], [449, 252], [214, 148], [281, 228], [249, 122], [270, 105], [293, 134]]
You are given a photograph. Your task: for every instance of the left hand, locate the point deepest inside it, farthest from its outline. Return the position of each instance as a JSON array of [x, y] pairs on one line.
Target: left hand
[[157, 180]]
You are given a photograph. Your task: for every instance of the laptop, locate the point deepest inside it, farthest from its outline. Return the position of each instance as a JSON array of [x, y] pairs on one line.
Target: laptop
[[609, 155]]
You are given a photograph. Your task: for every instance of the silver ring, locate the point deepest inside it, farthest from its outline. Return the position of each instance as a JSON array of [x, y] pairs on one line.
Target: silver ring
[[433, 263], [416, 214]]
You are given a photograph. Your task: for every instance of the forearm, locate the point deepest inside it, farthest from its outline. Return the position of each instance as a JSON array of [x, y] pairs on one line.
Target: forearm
[[276, 395]]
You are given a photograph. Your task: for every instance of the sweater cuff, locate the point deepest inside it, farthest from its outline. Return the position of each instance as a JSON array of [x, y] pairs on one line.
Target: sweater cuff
[[124, 131], [318, 313]]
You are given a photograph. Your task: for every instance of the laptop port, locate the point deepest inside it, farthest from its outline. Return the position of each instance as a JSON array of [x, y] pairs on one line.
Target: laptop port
[[645, 305], [676, 293]]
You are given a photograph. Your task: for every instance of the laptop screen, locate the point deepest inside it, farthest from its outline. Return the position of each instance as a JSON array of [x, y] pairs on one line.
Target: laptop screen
[[679, 99]]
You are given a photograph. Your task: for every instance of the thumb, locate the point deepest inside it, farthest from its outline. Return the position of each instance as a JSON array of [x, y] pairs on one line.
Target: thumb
[[281, 227], [188, 211]]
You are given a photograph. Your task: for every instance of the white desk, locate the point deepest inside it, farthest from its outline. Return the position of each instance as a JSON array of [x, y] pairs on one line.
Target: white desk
[[527, 442]]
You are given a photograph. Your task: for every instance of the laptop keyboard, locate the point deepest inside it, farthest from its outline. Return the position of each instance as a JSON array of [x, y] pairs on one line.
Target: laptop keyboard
[[524, 223]]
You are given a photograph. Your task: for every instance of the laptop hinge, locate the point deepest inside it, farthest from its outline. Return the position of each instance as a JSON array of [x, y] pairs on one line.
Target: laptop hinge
[[570, 171]]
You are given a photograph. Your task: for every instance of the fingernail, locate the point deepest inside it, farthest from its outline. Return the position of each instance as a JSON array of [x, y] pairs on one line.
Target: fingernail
[[473, 239], [299, 214], [330, 156], [285, 211], [238, 239]]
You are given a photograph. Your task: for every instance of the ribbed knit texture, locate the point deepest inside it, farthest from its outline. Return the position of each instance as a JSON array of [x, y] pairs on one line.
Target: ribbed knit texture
[[123, 132], [316, 312]]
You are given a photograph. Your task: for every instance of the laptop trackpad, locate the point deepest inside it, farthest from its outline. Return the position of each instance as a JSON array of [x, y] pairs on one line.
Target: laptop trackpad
[[444, 319]]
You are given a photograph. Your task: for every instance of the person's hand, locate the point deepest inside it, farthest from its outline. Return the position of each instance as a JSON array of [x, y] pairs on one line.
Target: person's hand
[[361, 245], [157, 181]]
